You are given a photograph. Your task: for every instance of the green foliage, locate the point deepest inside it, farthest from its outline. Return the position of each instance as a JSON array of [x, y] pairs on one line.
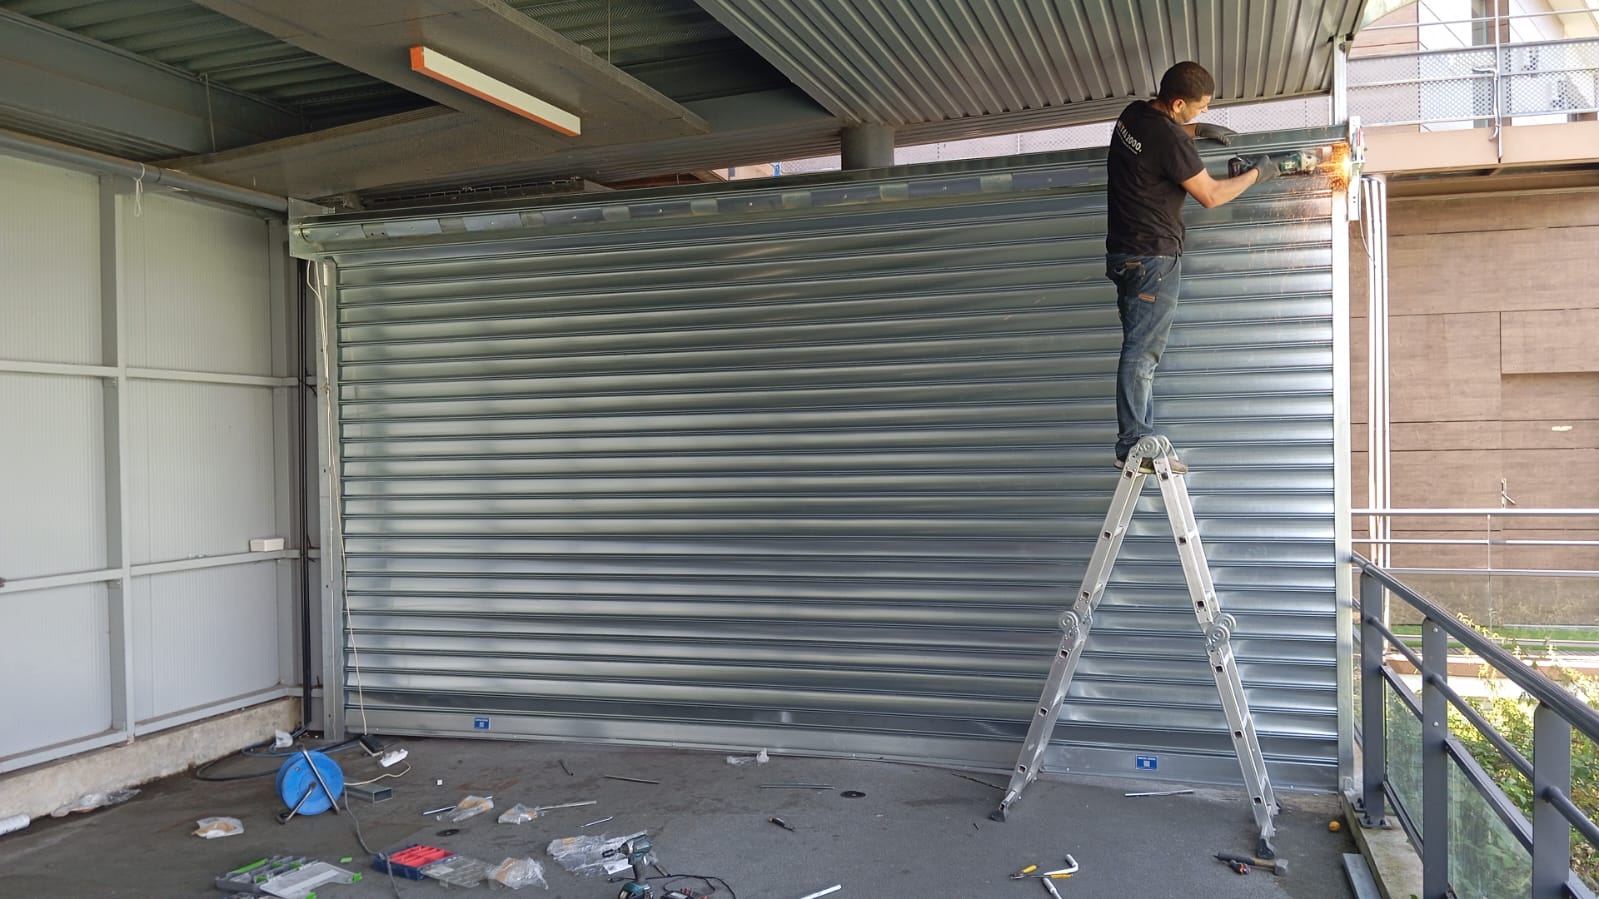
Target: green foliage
[[1510, 712]]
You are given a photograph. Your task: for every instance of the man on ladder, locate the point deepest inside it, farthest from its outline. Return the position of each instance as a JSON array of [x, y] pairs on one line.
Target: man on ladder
[[1153, 167]]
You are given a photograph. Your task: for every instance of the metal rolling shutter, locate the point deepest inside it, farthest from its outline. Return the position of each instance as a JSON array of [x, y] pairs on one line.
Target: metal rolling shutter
[[814, 464]]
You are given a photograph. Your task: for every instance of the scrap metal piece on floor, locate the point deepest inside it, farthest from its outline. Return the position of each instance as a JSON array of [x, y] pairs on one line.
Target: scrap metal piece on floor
[[369, 793], [1361, 879]]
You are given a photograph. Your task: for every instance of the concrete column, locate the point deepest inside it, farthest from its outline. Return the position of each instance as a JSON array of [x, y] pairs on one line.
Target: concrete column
[[867, 147]]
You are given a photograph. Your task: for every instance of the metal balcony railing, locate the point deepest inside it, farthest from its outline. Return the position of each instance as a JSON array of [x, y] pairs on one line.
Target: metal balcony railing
[[1503, 854], [1488, 86], [1493, 528], [1502, 72]]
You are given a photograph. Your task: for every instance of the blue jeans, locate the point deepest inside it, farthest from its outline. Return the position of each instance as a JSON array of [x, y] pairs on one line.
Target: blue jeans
[[1146, 300]]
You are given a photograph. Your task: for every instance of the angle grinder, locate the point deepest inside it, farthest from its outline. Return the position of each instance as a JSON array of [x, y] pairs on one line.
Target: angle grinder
[[1299, 162]]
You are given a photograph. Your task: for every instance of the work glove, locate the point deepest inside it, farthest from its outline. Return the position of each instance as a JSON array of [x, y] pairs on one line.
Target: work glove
[[1238, 165], [1212, 131]]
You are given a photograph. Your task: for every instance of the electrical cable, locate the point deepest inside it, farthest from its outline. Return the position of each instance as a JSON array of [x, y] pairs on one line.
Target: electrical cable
[[393, 884], [709, 881], [357, 783], [203, 772]]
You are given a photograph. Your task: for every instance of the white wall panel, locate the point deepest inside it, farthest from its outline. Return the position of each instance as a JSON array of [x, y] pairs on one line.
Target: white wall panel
[[55, 664], [202, 469], [205, 636], [198, 288], [49, 252], [52, 475], [178, 466]]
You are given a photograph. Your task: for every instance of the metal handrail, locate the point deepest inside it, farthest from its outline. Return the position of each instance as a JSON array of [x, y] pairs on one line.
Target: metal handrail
[[1380, 522], [1553, 14], [1455, 94], [1541, 688], [1485, 49], [1558, 714], [1513, 513]]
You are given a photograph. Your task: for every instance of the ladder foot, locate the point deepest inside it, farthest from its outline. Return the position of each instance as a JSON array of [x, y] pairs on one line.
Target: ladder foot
[[999, 814], [1264, 848]]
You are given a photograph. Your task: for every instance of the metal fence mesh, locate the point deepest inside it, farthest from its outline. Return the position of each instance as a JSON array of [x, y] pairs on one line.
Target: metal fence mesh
[[1476, 84]]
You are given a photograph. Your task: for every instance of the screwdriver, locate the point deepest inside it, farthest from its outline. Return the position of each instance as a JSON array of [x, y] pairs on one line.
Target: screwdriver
[[781, 823]]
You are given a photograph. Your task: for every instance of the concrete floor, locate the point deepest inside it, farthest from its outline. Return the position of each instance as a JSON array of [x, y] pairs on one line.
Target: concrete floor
[[918, 831]]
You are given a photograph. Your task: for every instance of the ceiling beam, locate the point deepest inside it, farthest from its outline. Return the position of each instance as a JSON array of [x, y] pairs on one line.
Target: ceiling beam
[[444, 147], [375, 37], [47, 73]]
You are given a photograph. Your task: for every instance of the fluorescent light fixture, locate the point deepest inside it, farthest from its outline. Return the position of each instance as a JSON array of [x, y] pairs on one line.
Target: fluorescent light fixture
[[461, 76]]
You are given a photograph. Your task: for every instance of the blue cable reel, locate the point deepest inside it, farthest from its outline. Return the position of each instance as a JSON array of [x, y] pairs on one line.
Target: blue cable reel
[[309, 783]]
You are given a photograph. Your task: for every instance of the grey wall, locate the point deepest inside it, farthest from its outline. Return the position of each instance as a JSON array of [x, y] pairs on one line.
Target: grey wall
[[145, 391], [815, 464]]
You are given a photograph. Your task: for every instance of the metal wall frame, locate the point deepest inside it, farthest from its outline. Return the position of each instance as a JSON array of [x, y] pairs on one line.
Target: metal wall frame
[[502, 573], [120, 197]]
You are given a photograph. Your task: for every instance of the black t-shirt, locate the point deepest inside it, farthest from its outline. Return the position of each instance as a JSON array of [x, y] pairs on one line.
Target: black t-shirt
[[1150, 156]]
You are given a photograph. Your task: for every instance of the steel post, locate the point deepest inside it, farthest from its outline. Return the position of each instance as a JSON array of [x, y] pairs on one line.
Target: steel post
[[1435, 762], [1551, 832], [1373, 707]]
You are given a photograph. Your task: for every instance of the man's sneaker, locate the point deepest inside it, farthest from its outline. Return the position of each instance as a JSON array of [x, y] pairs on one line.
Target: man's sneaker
[[1178, 466]]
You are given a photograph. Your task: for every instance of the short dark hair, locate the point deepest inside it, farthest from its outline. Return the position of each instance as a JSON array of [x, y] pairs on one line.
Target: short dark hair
[[1186, 81]]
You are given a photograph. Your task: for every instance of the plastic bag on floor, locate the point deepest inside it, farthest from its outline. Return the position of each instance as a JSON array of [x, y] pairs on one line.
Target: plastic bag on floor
[[517, 814], [587, 854], [211, 828], [517, 873], [469, 807], [88, 802]]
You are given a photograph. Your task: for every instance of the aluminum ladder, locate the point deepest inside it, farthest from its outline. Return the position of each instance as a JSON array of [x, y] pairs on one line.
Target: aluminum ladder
[[1155, 452]]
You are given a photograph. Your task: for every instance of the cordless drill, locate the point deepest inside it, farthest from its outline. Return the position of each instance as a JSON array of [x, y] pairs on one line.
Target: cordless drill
[[636, 850]]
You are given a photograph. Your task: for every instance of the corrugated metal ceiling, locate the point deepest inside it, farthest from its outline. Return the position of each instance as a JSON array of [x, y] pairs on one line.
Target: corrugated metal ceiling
[[671, 45], [778, 79], [911, 61], [194, 39], [884, 61]]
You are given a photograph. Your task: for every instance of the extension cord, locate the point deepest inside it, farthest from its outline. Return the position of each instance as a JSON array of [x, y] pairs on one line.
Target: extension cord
[[393, 757]]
